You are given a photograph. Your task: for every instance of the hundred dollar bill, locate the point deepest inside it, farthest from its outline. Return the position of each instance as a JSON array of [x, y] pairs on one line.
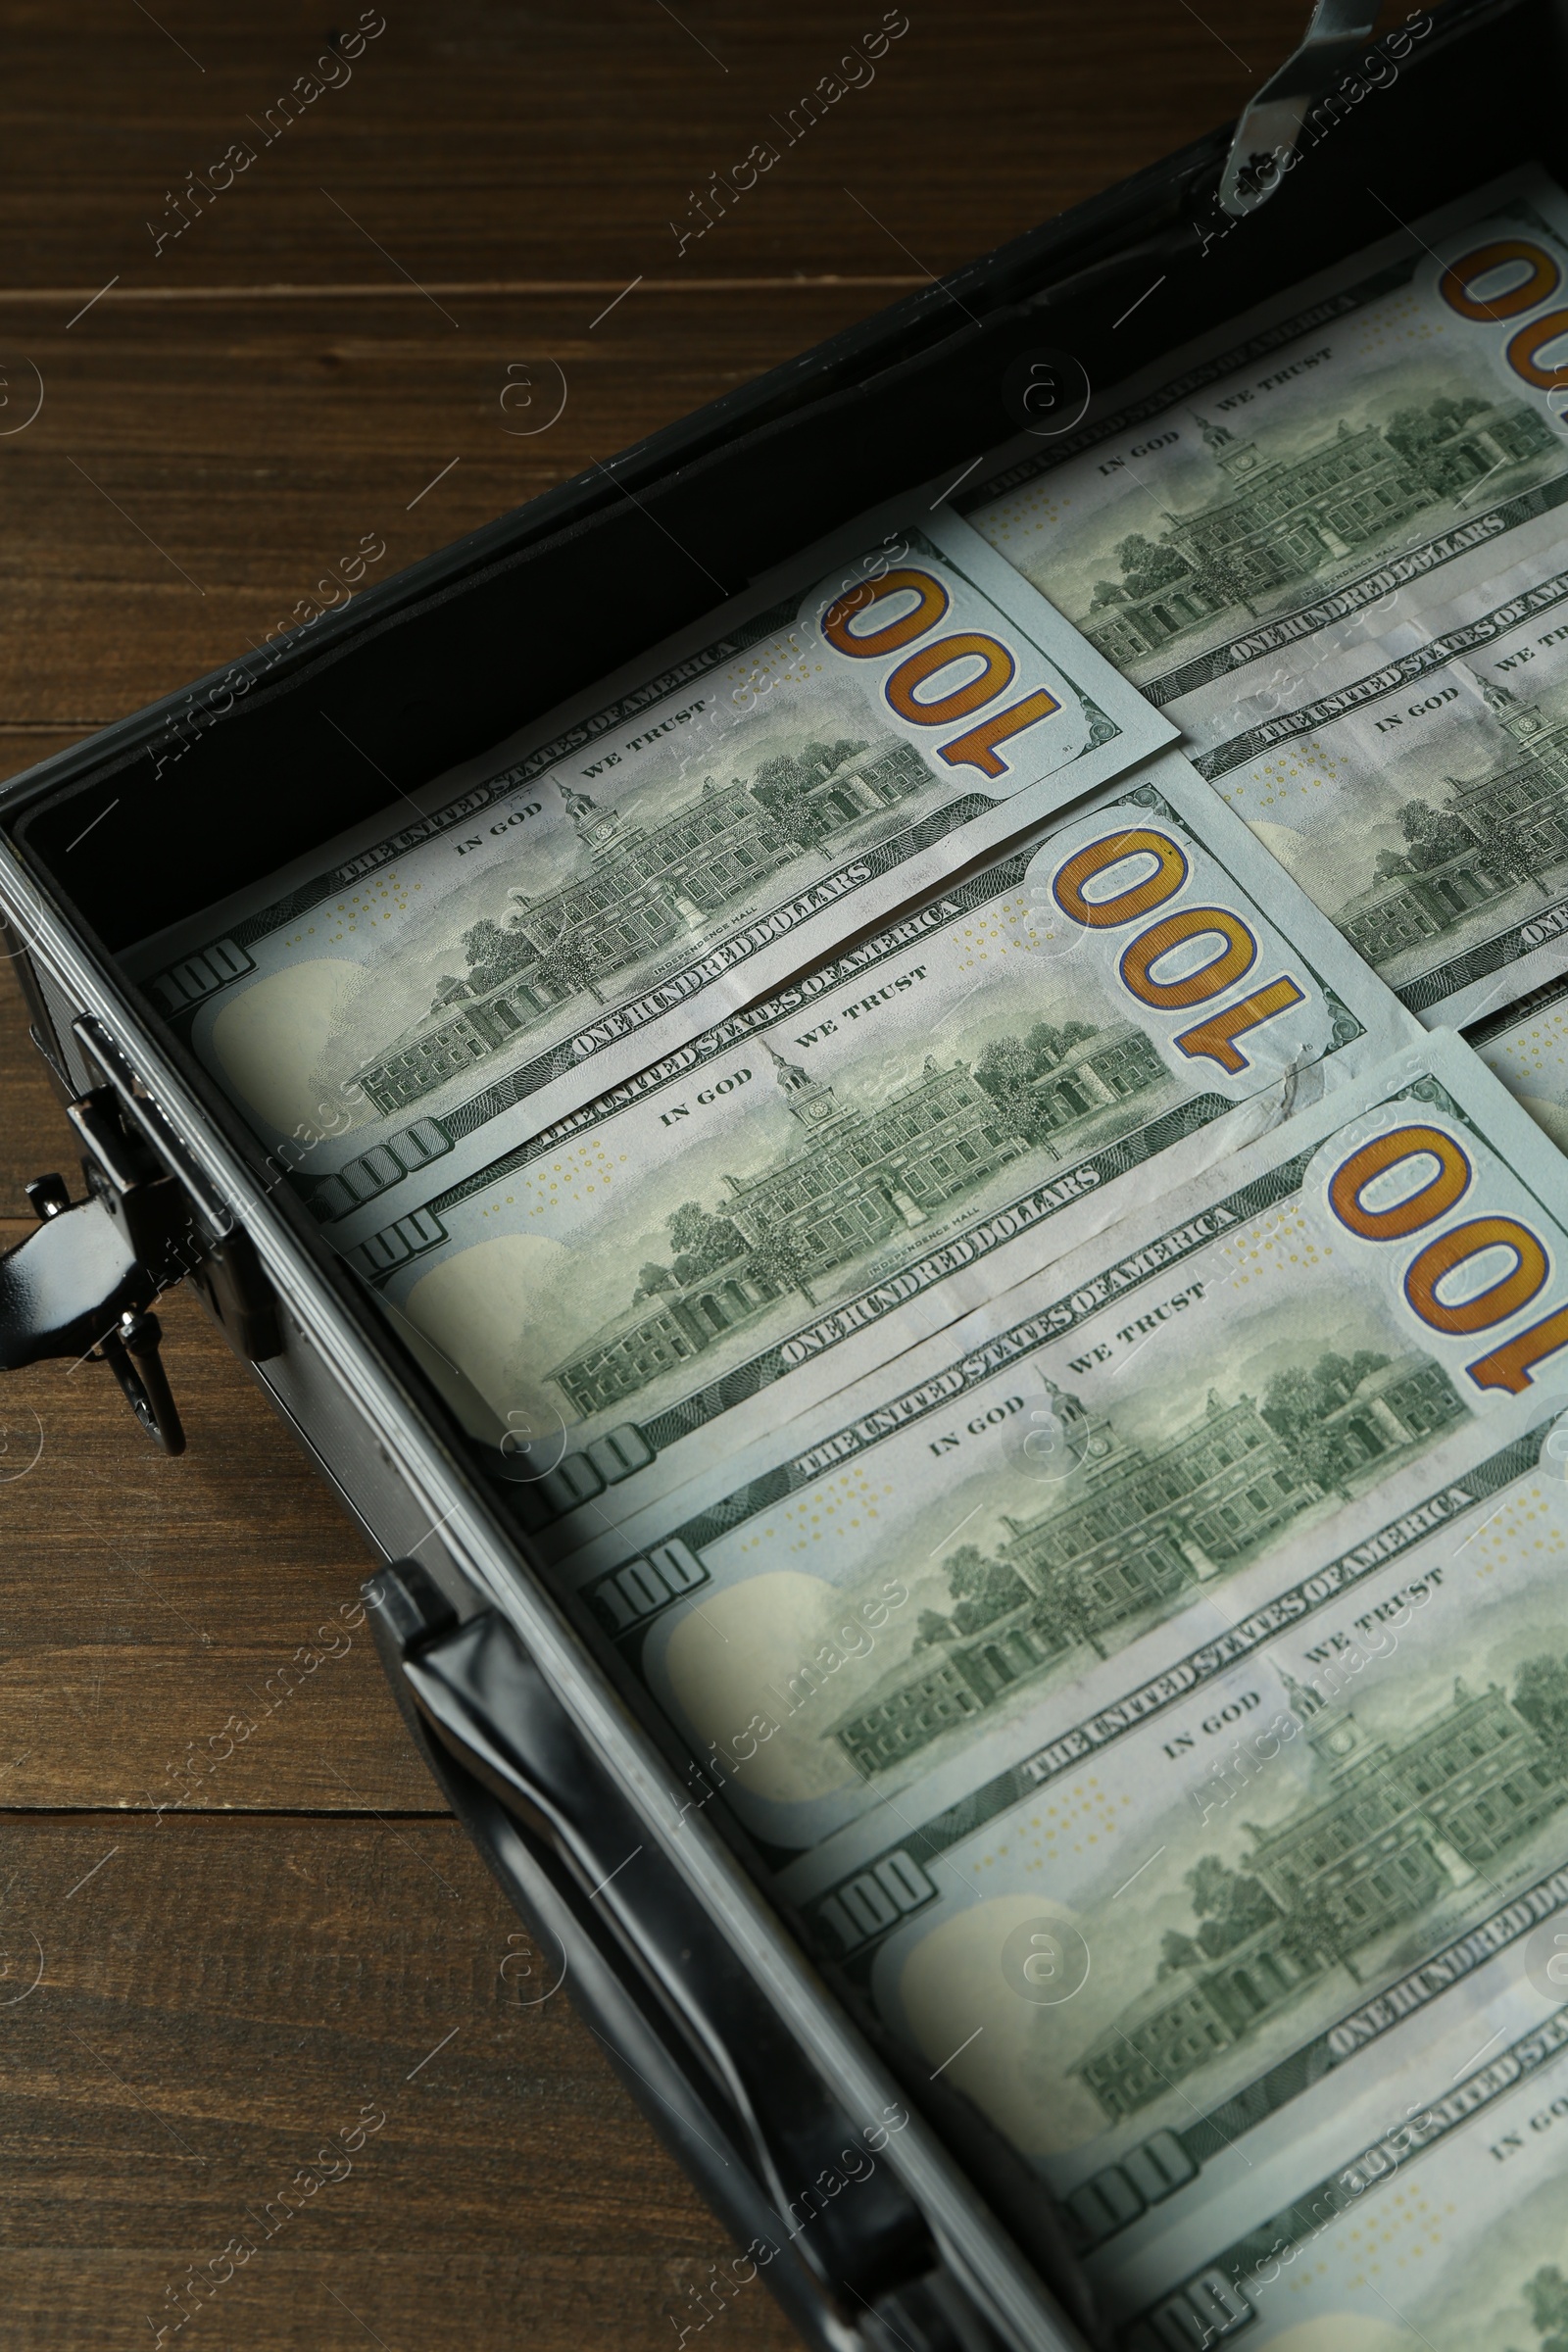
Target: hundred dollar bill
[[545, 920], [1526, 1046], [1324, 1813], [1333, 543], [1442, 2228], [809, 1187], [1094, 1455]]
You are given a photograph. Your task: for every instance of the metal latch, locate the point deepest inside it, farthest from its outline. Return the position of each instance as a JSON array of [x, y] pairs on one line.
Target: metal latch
[[83, 1285], [1271, 125]]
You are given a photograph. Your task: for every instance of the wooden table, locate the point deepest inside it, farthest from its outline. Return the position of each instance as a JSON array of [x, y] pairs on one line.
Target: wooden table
[[197, 1997]]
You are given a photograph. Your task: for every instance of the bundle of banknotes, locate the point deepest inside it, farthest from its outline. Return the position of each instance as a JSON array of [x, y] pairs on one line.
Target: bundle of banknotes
[[975, 1143]]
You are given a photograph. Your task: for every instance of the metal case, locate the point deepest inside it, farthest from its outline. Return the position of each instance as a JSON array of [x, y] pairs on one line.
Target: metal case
[[881, 2207]]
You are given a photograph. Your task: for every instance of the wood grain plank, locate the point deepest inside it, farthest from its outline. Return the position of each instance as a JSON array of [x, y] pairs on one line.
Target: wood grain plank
[[148, 1603], [215, 2002], [476, 140], [34, 1132], [197, 474]]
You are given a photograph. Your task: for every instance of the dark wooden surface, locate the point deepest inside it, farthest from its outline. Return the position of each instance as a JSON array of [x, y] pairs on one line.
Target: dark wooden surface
[[196, 1996]]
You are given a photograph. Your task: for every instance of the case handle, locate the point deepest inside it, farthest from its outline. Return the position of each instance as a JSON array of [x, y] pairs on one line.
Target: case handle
[[827, 2202]]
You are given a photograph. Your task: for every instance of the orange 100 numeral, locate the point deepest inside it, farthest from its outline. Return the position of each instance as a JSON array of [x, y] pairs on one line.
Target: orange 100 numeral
[[1522, 1280], [1543, 276], [1235, 950], [978, 746]]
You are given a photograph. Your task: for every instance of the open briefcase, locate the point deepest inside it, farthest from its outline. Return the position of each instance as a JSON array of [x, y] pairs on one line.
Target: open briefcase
[[879, 2204]]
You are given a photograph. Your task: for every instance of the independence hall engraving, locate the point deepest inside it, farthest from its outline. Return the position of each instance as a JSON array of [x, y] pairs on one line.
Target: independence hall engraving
[[1390, 1832], [1506, 827], [1128, 1530], [1281, 521], [646, 888], [859, 1179]]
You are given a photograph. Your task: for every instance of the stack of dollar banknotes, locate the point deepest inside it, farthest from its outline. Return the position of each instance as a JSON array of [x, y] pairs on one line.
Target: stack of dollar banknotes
[[976, 1143]]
